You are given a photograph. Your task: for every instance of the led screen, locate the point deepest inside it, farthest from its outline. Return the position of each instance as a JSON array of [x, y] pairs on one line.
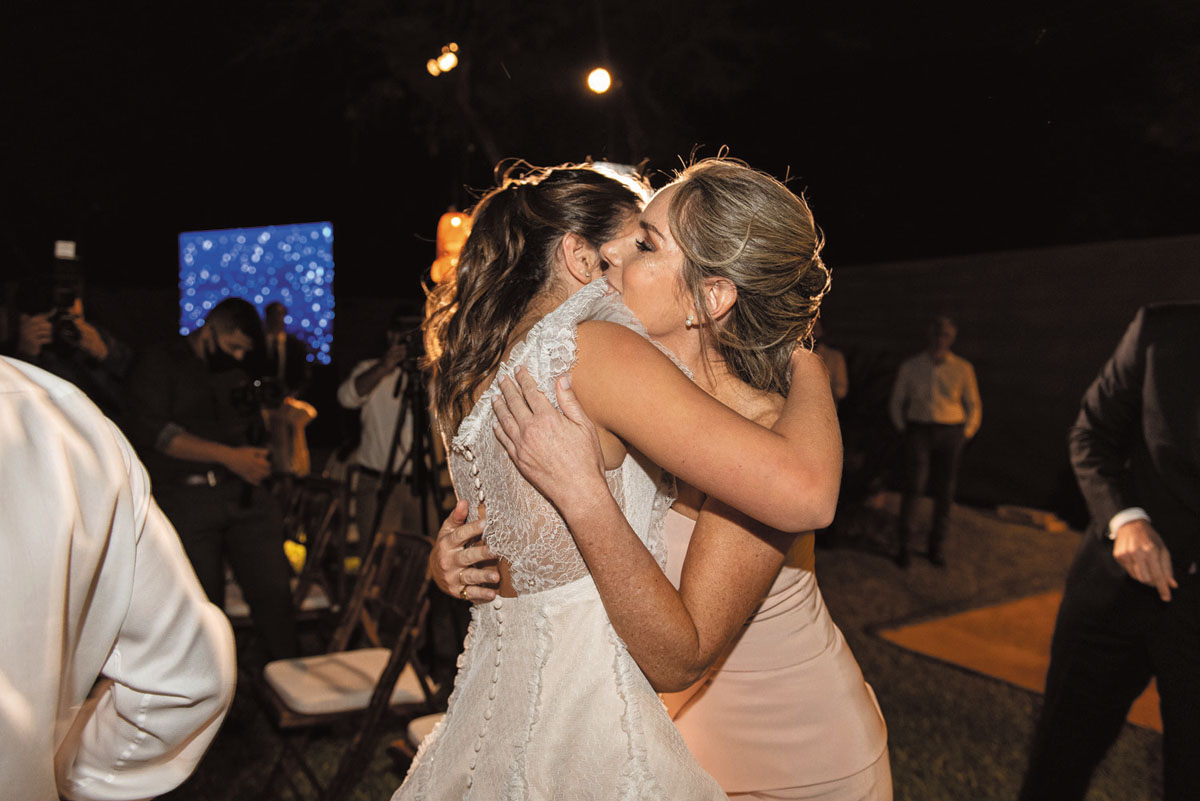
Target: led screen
[[291, 264]]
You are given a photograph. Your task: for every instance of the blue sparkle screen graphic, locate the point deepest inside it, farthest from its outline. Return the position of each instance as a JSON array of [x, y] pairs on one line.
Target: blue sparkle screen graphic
[[288, 264]]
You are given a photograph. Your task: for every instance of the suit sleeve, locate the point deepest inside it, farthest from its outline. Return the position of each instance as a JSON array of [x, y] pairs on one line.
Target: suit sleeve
[[1102, 438]]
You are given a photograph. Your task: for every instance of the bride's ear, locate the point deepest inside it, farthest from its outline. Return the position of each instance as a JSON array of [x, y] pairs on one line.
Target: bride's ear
[[719, 295], [581, 258]]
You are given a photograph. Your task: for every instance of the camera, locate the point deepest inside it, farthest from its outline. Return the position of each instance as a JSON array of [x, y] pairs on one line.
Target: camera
[[65, 335], [265, 392]]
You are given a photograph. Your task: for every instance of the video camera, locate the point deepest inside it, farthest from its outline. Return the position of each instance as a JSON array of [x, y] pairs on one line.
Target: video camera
[[265, 392], [55, 291]]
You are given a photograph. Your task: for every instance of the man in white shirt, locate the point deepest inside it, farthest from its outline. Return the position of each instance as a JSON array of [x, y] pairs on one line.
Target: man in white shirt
[[376, 388], [95, 585], [935, 404]]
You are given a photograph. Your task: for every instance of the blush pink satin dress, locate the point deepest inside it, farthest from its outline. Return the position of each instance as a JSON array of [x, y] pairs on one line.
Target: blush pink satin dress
[[785, 712]]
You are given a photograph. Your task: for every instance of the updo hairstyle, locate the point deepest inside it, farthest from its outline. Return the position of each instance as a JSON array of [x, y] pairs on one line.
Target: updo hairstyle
[[507, 262], [736, 223]]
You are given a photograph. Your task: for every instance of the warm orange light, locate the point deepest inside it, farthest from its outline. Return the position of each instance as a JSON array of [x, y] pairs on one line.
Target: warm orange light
[[453, 229], [599, 81], [446, 61]]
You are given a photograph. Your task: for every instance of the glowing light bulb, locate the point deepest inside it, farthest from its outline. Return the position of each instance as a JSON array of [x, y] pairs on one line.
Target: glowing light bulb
[[599, 81], [446, 61]]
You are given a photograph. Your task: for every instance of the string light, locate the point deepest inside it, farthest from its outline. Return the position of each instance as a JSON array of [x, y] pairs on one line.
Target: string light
[[446, 61], [599, 80]]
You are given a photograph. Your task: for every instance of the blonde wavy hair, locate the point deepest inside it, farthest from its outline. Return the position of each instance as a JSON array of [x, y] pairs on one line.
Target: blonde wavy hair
[[744, 226]]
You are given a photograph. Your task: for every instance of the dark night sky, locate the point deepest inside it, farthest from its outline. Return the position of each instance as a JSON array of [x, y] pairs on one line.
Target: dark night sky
[[917, 129]]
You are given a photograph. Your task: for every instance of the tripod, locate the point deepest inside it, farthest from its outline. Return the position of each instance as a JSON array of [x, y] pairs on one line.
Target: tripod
[[446, 622], [421, 455]]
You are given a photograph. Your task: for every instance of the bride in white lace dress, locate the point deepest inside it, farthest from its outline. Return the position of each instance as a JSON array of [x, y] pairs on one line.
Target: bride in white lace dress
[[548, 702]]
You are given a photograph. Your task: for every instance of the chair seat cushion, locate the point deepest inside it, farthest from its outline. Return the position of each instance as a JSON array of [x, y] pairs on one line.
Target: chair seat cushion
[[339, 682], [236, 608], [419, 728]]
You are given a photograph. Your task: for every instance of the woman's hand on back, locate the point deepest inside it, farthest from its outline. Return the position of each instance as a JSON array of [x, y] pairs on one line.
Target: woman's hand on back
[[557, 452], [461, 565]]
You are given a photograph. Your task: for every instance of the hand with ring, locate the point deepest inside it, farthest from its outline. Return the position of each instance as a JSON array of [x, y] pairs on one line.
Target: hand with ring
[[460, 564]]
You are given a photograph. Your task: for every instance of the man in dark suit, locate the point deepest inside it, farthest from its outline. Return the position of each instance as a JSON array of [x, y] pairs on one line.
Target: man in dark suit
[[288, 358], [1131, 608]]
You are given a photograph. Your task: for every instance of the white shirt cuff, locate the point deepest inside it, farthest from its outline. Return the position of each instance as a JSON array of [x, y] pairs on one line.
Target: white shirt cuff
[[1126, 516]]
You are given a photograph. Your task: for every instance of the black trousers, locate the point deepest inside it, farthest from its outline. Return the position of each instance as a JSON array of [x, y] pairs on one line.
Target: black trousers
[[931, 454], [242, 525], [1112, 634]]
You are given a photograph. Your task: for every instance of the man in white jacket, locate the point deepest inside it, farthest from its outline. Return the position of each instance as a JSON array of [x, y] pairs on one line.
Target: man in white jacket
[[115, 671]]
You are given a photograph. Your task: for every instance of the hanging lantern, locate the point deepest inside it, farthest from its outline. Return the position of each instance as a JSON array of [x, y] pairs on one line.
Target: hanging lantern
[[453, 229]]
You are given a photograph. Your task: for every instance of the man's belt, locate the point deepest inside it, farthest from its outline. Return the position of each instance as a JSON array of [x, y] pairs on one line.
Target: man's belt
[[207, 479]]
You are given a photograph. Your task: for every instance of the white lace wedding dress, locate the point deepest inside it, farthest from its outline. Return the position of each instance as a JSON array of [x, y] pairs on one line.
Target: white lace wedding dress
[[548, 703]]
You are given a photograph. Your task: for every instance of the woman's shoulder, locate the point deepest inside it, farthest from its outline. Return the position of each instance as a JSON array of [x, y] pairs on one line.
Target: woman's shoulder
[[757, 405], [596, 302]]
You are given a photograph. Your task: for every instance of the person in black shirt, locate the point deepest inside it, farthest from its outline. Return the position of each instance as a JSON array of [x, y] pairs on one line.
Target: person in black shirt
[[58, 339], [192, 415]]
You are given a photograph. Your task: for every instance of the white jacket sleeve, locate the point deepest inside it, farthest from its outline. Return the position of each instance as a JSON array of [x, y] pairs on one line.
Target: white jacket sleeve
[[172, 680], [95, 586], [347, 394]]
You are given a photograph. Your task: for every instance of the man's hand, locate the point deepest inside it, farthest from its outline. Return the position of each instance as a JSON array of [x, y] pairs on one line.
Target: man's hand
[[1138, 548], [90, 340], [392, 357], [461, 565], [33, 333], [250, 464]]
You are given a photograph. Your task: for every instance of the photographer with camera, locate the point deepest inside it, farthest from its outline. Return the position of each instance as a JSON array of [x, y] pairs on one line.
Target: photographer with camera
[[196, 418], [53, 334], [376, 388]]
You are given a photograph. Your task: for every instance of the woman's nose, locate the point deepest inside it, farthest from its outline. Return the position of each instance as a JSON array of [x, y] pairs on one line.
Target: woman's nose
[[608, 252]]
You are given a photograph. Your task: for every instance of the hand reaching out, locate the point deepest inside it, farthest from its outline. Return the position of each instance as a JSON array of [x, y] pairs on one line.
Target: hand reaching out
[[557, 452]]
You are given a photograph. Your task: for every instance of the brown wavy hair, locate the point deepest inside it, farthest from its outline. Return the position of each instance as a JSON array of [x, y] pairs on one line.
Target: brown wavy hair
[[506, 263], [737, 223]]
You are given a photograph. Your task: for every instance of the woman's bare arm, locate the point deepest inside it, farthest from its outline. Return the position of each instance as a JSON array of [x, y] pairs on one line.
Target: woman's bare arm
[[673, 635], [786, 476]]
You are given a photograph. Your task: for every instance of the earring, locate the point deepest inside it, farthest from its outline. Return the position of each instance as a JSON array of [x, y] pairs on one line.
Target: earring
[[691, 320], [588, 274]]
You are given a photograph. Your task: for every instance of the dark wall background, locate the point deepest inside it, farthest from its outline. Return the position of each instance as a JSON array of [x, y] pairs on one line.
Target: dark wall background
[[1036, 324]]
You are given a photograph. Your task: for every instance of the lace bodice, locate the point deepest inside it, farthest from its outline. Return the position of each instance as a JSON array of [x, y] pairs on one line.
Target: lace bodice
[[522, 526]]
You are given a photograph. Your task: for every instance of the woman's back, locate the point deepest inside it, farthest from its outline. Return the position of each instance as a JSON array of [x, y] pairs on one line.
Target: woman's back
[[523, 527]]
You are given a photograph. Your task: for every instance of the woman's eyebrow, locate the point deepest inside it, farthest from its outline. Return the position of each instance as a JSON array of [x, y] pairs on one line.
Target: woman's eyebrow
[[648, 227]]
